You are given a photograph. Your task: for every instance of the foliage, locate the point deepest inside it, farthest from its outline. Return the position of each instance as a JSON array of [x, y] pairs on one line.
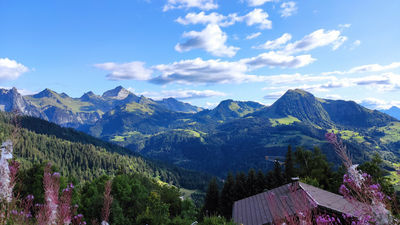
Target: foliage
[[211, 202], [81, 156]]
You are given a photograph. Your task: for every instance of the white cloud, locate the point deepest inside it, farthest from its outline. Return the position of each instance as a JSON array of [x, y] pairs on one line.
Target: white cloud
[[210, 105], [212, 39], [318, 38], [183, 94], [258, 17], [202, 72], [11, 69], [186, 4], [339, 42], [277, 59], [258, 2], [277, 43], [274, 95], [126, 71], [253, 35], [333, 97], [374, 103], [383, 83], [212, 18], [288, 9], [366, 68], [347, 25], [255, 17], [294, 79], [355, 44]]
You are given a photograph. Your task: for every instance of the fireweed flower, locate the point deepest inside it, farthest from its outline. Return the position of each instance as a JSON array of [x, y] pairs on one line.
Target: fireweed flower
[[358, 186]]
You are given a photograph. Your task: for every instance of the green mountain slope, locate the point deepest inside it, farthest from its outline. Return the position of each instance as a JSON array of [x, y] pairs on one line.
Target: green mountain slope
[[84, 157], [226, 140]]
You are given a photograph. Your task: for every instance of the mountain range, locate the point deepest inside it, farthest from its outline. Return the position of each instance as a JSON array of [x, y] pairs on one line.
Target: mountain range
[[234, 136]]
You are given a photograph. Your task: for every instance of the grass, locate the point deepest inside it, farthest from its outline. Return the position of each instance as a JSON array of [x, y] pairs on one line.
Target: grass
[[71, 104], [191, 133], [242, 111], [392, 133], [135, 107], [234, 106], [284, 121]]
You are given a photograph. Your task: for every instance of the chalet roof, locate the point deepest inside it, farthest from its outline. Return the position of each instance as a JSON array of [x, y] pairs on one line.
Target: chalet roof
[[286, 200]]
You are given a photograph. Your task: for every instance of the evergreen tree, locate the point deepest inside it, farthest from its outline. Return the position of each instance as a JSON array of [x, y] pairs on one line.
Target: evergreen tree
[[260, 182], [251, 183], [240, 186], [289, 166], [227, 196], [212, 198], [277, 174]]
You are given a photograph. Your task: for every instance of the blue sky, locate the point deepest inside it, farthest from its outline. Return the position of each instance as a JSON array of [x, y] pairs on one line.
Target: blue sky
[[204, 51]]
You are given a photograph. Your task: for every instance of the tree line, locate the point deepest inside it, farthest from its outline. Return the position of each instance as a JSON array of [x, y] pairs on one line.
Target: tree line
[[311, 166]]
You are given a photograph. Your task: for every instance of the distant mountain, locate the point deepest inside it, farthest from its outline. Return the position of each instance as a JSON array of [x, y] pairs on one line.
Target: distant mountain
[[393, 111], [234, 136], [230, 109], [177, 106], [237, 142], [77, 112], [300, 105], [11, 100]]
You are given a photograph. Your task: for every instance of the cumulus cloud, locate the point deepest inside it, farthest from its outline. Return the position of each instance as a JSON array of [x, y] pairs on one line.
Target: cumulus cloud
[[212, 18], [11, 69], [201, 71], [255, 17], [186, 4], [212, 39], [183, 94], [257, 2], [253, 35], [277, 59], [277, 43], [258, 17], [366, 68], [288, 9], [126, 71], [318, 38]]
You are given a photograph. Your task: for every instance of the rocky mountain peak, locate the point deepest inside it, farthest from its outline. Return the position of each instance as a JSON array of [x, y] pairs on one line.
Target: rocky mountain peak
[[118, 93], [46, 93]]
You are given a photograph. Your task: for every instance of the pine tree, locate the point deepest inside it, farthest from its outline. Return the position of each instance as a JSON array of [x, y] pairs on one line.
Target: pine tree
[[212, 198], [251, 183], [260, 182], [289, 166], [227, 197], [240, 186], [277, 174]]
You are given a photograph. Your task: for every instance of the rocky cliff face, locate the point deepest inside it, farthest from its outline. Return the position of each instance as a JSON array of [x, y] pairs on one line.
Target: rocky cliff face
[[11, 100]]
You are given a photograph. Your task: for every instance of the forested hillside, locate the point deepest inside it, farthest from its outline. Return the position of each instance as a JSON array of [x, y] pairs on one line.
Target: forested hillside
[[83, 157]]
